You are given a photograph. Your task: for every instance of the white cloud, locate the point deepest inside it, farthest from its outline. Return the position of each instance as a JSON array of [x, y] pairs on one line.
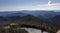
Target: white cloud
[[49, 2], [36, 7]]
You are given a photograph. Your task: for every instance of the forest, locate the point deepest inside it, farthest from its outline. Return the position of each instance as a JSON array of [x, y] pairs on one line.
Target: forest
[[13, 24]]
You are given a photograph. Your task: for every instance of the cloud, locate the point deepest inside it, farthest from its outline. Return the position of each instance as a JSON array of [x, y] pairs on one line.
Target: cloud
[[55, 6], [49, 2]]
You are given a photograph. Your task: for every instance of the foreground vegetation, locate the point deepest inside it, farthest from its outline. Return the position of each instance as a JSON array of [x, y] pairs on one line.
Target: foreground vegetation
[[14, 24], [12, 29], [16, 28]]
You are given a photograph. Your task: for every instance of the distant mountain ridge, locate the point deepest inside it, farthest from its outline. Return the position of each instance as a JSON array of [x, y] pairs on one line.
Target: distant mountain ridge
[[37, 13]]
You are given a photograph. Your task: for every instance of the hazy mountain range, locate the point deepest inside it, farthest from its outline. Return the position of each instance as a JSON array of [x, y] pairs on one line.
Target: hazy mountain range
[[37, 13]]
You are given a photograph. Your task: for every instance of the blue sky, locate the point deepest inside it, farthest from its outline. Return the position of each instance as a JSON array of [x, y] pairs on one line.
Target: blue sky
[[21, 2], [11, 5]]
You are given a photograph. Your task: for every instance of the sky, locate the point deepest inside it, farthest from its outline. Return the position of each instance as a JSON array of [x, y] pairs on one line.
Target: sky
[[16, 5]]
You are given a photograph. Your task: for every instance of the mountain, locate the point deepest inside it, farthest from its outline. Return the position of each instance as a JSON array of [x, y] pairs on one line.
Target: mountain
[[29, 19], [12, 13], [42, 14], [53, 24], [56, 19], [34, 18], [17, 14], [37, 13], [12, 18]]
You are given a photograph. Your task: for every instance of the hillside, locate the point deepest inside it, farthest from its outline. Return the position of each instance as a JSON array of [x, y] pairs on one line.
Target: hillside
[[56, 20]]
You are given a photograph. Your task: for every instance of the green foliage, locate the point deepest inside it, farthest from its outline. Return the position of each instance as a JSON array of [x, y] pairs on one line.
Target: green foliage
[[12, 30]]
